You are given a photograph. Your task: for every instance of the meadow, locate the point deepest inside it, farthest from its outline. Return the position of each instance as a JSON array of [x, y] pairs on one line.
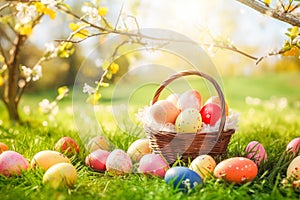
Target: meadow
[[269, 107]]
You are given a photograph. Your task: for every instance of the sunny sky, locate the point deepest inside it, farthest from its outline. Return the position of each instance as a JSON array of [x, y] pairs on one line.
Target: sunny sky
[[228, 18], [244, 27]]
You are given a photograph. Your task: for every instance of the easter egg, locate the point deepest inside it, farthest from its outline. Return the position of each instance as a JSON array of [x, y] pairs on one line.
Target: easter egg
[[153, 164], [98, 142], [216, 100], [67, 145], [190, 99], [210, 113], [293, 146], [163, 112], [173, 98], [138, 148], [97, 160], [48, 158], [293, 169], [204, 165], [60, 175], [182, 178], [118, 162], [237, 170], [3, 147], [12, 163], [256, 152], [188, 121]]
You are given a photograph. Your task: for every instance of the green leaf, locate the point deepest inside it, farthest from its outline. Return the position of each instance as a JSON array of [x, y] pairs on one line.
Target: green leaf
[[294, 32], [66, 6]]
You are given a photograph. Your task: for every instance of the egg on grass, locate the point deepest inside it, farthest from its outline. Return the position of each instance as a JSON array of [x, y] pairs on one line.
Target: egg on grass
[[118, 162], [293, 170], [182, 178], [47, 158], [60, 175], [3, 147], [256, 152], [67, 145], [97, 160], [153, 164], [138, 149], [293, 146], [236, 170], [204, 165], [97, 142], [12, 163]]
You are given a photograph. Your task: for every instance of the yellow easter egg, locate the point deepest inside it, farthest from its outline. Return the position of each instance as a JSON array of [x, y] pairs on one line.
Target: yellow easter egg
[[60, 175], [204, 165], [47, 158]]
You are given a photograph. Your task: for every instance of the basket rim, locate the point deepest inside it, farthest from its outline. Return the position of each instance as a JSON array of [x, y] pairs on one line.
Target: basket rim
[[148, 128]]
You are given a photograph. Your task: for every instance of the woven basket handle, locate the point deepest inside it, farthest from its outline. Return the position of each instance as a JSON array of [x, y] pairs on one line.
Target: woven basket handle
[[209, 78]]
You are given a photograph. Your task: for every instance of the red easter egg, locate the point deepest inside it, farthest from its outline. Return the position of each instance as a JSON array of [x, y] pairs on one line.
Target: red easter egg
[[210, 113], [97, 160], [66, 145]]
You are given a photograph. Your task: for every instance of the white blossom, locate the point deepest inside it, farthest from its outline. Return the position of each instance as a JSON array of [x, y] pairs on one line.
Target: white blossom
[[50, 47], [88, 89], [26, 72], [47, 107], [49, 3], [36, 72], [25, 13], [92, 14]]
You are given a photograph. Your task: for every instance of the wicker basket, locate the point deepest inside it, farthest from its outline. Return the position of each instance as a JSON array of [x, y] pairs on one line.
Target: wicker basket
[[187, 146]]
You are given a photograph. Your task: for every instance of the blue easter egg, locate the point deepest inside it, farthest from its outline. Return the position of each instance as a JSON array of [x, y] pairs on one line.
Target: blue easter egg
[[182, 178]]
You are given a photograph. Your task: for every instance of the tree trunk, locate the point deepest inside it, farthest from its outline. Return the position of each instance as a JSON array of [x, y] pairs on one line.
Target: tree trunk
[[10, 95], [13, 112]]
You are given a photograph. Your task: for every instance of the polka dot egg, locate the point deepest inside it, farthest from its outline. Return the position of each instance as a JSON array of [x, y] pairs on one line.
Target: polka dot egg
[[188, 121], [237, 170], [204, 165], [294, 169]]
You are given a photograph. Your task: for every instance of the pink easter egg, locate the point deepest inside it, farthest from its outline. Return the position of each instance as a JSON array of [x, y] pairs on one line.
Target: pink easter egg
[[12, 163], [293, 146], [97, 160], [256, 152], [153, 164]]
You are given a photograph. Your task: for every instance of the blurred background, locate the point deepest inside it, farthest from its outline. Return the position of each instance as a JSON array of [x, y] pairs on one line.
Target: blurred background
[[245, 28]]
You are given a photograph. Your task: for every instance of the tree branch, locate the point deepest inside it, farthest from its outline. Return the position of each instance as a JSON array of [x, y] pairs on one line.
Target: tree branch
[[276, 14]]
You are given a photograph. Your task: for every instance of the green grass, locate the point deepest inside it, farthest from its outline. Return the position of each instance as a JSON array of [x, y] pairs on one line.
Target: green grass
[[272, 126]]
